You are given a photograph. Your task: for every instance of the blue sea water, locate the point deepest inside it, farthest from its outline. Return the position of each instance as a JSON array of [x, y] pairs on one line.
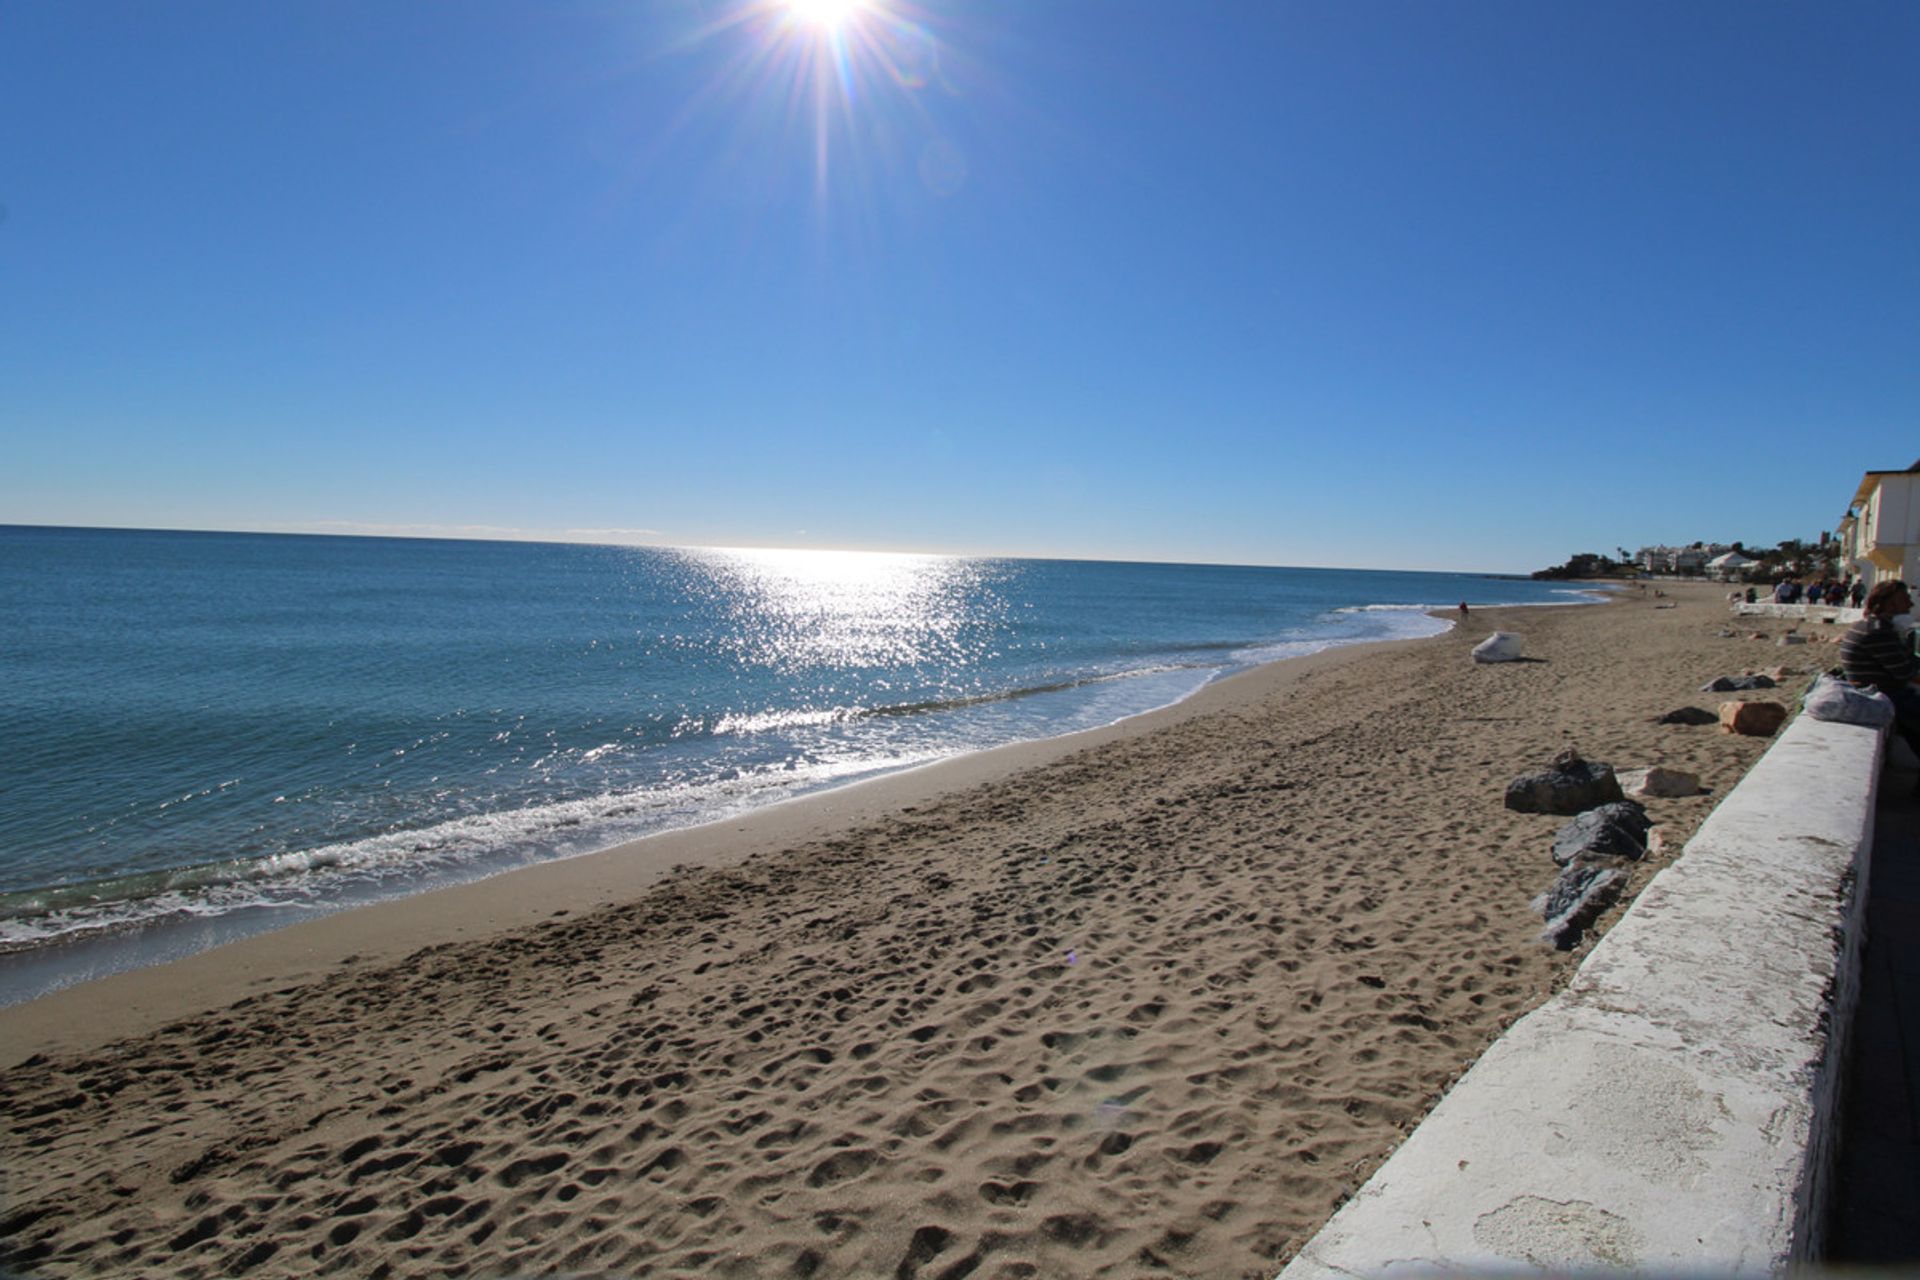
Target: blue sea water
[[211, 734]]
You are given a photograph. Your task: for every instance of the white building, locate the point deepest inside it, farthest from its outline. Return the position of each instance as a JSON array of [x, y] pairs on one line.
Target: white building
[[1690, 559], [1729, 565], [1880, 537]]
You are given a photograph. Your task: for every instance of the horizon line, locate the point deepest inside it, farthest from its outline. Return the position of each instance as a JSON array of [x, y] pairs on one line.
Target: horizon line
[[500, 533]]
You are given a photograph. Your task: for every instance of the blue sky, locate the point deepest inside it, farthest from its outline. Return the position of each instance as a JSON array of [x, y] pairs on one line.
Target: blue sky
[[1432, 285]]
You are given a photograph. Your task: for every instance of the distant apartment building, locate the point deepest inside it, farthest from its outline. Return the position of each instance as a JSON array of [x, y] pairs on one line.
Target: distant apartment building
[[1688, 559], [1880, 537]]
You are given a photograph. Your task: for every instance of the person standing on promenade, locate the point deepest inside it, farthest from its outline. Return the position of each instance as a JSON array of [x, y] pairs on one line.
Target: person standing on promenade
[[1873, 653]]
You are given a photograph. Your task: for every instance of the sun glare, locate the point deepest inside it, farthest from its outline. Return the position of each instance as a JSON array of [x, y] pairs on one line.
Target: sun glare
[[827, 15], [851, 80]]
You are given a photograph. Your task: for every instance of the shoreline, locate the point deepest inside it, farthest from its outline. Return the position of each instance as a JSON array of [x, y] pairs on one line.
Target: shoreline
[[98, 955], [390, 929], [1155, 997], [300, 770]]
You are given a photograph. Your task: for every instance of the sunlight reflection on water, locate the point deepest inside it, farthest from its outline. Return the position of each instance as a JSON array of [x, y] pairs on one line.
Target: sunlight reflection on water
[[797, 611]]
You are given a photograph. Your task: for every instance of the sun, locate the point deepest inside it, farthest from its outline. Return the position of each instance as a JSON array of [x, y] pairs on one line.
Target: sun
[[824, 15], [850, 81]]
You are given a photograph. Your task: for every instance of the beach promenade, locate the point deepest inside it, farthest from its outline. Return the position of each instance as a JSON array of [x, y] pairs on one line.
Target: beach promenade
[[1152, 1000]]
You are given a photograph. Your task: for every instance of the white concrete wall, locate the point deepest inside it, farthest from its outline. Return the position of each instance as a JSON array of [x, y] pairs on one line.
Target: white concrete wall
[[1675, 1108], [1839, 616]]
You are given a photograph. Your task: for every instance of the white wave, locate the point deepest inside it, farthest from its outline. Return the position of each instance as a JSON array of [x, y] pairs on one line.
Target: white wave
[[401, 861], [762, 721]]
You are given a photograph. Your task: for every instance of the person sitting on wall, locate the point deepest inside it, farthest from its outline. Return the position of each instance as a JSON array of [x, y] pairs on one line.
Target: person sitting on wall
[[1873, 653]]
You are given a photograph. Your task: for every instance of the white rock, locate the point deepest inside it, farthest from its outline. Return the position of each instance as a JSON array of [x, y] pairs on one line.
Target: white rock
[[1658, 783], [1501, 646]]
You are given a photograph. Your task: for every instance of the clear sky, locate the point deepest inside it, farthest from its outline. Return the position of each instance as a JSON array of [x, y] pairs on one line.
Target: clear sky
[[1434, 284]]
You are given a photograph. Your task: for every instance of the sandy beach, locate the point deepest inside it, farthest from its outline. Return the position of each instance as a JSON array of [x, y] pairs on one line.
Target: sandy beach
[[1148, 1001]]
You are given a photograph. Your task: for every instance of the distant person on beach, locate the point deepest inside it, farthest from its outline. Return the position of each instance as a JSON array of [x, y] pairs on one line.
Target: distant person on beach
[[1873, 653], [1463, 610]]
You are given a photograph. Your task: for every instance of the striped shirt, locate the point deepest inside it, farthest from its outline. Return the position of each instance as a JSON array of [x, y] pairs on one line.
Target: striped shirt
[[1873, 653]]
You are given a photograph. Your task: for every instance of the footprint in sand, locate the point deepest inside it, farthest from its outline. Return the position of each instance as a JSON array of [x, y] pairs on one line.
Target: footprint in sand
[[842, 1166]]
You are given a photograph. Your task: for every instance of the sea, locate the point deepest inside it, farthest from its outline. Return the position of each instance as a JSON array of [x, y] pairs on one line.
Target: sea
[[211, 735]]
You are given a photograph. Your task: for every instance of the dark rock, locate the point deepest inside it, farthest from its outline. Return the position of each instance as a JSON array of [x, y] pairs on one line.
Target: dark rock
[[1616, 830], [1733, 684], [1688, 715], [1575, 900], [1571, 785]]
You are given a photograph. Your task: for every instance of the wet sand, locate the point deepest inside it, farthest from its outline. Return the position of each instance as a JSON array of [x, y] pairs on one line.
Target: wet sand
[[1151, 1000]]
